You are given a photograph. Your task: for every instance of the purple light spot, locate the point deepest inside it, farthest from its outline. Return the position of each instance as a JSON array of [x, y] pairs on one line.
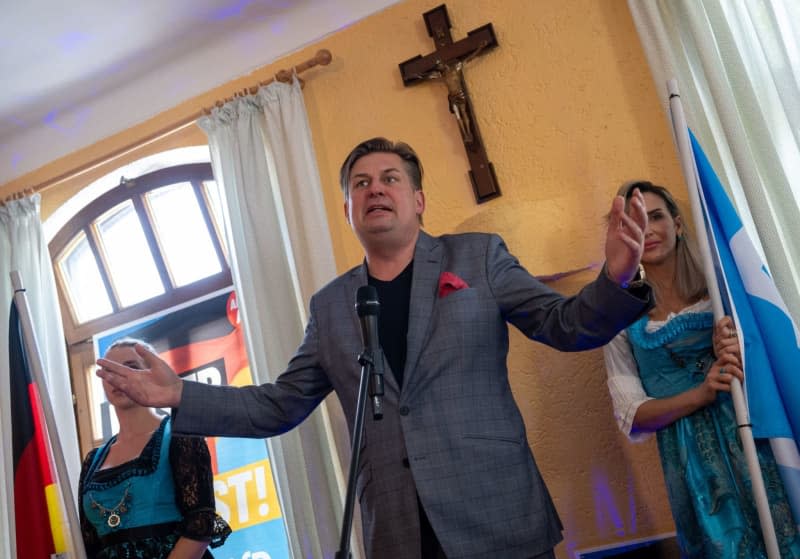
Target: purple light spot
[[16, 158], [632, 505], [278, 27], [16, 120], [50, 118], [571, 545], [116, 68], [72, 41], [607, 515], [67, 122], [226, 12]]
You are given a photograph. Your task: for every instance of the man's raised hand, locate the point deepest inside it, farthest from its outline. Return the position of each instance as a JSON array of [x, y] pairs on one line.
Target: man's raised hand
[[625, 237], [156, 386]]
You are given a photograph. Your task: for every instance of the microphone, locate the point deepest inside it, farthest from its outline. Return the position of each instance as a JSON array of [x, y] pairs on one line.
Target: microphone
[[368, 308]]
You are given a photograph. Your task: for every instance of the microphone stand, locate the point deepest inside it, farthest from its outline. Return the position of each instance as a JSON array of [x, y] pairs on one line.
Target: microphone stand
[[367, 367]]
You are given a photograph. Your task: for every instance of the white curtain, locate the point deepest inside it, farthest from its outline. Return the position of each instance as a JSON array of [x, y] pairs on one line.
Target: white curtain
[[737, 64], [23, 249], [263, 157]]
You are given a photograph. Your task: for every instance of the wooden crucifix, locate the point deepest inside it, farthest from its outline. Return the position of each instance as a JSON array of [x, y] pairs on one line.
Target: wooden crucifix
[[447, 63]]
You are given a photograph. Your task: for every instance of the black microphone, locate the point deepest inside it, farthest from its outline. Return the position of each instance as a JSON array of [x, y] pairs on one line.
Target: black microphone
[[368, 308]]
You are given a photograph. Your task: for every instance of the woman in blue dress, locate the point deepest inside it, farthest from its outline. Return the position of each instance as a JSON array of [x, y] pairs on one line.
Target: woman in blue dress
[[670, 373], [147, 493]]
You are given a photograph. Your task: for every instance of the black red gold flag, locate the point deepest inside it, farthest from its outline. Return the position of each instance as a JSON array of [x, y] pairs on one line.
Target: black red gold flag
[[35, 493]]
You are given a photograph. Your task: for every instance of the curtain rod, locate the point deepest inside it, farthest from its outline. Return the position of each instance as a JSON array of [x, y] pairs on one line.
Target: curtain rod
[[321, 58]]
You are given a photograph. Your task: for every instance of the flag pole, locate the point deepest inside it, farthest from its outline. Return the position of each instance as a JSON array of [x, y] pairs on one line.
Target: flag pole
[[37, 373], [688, 165]]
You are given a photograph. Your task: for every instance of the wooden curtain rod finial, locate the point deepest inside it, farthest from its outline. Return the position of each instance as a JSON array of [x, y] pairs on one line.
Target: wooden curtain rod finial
[[323, 57]]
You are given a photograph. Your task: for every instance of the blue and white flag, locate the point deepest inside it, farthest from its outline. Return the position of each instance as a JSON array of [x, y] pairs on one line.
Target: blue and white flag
[[770, 339]]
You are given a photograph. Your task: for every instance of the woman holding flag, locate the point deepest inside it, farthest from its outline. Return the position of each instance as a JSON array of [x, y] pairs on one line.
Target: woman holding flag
[[147, 493], [670, 373]]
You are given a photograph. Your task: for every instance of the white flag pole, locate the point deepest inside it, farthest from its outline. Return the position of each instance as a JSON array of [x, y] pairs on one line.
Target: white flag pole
[[77, 550], [689, 167]]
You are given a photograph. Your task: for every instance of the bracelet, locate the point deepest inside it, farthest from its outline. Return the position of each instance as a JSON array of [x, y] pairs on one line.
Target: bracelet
[[636, 281]]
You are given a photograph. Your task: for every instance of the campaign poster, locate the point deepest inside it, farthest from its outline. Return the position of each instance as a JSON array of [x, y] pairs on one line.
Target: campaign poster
[[204, 342]]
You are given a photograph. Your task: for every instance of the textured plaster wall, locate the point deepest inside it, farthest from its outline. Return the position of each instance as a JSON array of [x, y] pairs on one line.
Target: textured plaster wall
[[568, 111]]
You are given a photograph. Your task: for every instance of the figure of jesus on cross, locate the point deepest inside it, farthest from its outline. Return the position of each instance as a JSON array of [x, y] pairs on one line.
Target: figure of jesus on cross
[[447, 63], [453, 77]]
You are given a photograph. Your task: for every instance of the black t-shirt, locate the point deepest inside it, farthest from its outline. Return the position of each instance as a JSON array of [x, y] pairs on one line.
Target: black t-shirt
[[394, 297]]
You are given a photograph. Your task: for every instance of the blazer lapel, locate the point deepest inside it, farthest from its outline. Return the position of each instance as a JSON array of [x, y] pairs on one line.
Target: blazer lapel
[[427, 266]]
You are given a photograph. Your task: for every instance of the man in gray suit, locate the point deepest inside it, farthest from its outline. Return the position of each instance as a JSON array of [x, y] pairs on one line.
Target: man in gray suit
[[447, 472]]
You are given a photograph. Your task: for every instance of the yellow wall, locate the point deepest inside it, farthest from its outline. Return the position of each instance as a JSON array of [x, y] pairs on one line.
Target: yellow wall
[[567, 110]]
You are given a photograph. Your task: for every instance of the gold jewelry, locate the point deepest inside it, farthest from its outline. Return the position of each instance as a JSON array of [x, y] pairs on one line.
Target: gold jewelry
[[114, 513]]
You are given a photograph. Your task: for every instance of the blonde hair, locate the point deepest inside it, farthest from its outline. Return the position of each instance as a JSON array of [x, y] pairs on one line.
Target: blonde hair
[[130, 342], [689, 281]]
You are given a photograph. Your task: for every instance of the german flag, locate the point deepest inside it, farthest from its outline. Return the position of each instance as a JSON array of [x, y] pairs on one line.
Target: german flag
[[36, 500]]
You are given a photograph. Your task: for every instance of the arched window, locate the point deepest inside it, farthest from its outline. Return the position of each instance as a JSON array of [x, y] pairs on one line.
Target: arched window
[[152, 242]]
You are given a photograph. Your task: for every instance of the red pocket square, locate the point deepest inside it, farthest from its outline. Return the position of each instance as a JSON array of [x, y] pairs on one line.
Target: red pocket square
[[449, 282]]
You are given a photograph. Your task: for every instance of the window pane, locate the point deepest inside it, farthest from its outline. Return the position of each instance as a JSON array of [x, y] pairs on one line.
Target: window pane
[[182, 233], [82, 281], [214, 201], [130, 262]]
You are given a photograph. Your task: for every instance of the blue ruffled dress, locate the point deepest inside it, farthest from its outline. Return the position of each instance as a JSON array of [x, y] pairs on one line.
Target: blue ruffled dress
[[705, 471], [139, 510]]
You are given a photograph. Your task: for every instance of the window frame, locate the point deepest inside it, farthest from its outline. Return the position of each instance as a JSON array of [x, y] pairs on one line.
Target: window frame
[[135, 190], [79, 336]]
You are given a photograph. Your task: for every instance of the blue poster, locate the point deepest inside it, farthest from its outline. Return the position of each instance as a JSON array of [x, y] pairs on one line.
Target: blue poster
[[204, 342]]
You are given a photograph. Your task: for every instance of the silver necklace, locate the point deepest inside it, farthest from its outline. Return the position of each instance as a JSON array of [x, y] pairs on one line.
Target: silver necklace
[[700, 364], [113, 514]]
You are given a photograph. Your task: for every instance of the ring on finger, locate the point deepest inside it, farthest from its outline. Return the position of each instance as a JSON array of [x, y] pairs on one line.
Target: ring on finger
[[722, 372]]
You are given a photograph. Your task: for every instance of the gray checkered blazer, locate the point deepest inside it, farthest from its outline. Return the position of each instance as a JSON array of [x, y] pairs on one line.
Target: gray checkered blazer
[[454, 434]]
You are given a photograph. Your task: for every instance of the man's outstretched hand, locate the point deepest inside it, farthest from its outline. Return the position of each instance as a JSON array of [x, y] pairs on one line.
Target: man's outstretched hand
[[156, 386], [625, 237]]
